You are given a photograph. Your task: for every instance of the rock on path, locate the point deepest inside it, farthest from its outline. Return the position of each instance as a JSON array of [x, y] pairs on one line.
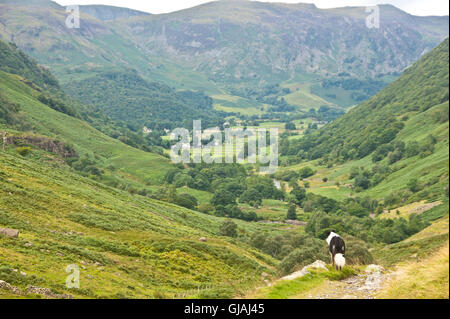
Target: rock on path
[[318, 264]]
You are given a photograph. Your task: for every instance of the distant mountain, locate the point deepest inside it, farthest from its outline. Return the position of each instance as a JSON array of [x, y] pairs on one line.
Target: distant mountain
[[228, 48], [409, 110], [258, 41], [106, 13], [95, 60]]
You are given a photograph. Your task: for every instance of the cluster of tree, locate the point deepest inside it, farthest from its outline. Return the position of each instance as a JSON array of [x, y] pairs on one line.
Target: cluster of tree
[[364, 178], [286, 175], [290, 160], [170, 195], [14, 61], [281, 245], [233, 211], [271, 94], [86, 165], [306, 172], [313, 202], [260, 94], [230, 184], [398, 150], [125, 96], [207, 177], [325, 113], [57, 105], [251, 190], [290, 126], [361, 88], [280, 105], [8, 111], [310, 202], [285, 116], [368, 229]]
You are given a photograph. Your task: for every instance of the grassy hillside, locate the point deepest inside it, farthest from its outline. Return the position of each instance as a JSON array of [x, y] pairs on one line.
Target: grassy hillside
[[34, 104], [385, 165], [96, 192], [126, 245], [16, 62], [393, 148], [427, 279], [82, 59], [41, 119], [381, 118]]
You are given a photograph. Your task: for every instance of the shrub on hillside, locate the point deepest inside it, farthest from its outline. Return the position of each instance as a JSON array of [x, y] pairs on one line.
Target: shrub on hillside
[[206, 208], [251, 195], [286, 175], [357, 252], [362, 181], [223, 197], [313, 250], [24, 150], [292, 213], [228, 228], [186, 200], [306, 172], [298, 195]]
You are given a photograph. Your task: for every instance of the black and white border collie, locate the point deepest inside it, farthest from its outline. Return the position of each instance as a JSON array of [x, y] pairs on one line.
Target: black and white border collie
[[337, 250]]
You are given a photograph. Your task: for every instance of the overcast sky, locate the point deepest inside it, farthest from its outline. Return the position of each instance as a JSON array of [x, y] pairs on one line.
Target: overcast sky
[[416, 7]]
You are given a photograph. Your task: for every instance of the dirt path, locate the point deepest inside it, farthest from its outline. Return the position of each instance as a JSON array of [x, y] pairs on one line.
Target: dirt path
[[362, 286]]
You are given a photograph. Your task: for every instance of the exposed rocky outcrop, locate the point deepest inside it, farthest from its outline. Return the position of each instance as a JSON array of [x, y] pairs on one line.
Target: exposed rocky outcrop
[[8, 232], [46, 144], [47, 293], [7, 286]]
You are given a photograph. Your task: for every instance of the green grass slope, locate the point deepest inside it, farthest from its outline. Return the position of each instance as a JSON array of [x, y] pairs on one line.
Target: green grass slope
[[398, 136], [126, 246], [144, 166], [378, 120]]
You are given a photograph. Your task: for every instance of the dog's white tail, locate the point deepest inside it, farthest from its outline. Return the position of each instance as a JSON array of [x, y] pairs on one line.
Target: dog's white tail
[[339, 260]]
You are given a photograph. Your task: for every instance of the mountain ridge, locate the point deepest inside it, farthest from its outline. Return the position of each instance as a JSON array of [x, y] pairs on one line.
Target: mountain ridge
[[225, 45], [107, 13]]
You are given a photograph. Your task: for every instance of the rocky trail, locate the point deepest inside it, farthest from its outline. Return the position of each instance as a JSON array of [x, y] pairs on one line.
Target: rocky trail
[[365, 285], [362, 286]]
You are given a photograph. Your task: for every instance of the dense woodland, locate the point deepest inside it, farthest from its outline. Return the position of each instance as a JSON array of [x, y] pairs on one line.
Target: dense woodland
[[153, 105]]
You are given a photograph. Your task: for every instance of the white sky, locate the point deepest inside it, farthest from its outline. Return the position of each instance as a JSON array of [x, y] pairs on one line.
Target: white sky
[[415, 7]]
